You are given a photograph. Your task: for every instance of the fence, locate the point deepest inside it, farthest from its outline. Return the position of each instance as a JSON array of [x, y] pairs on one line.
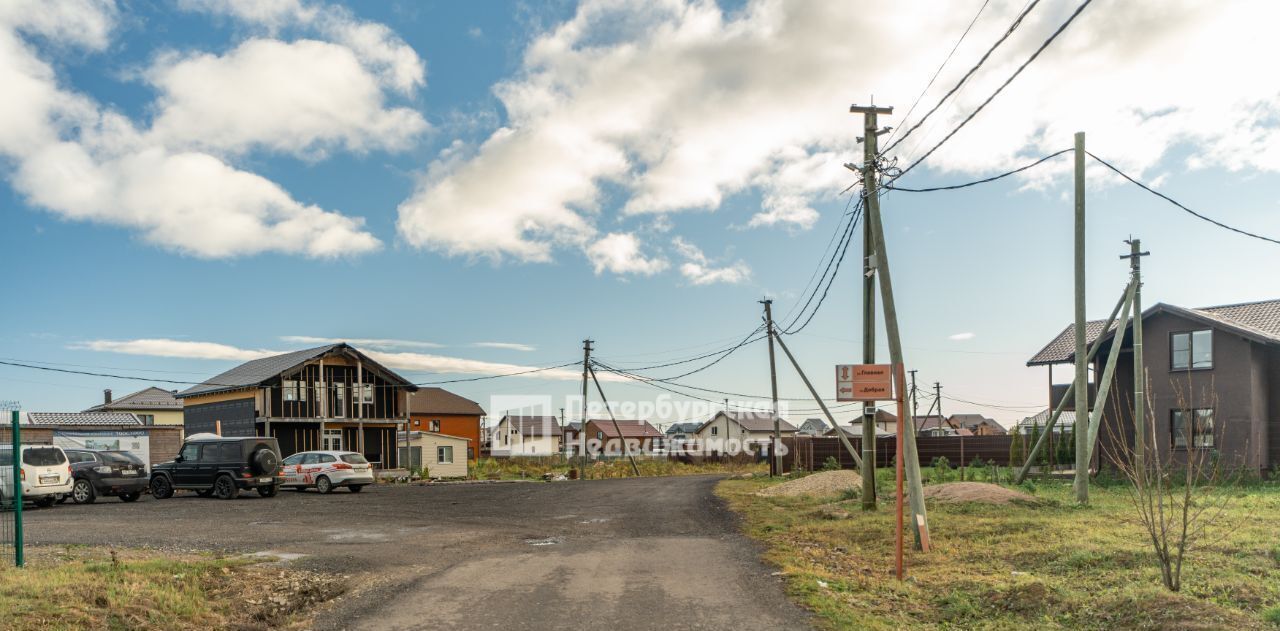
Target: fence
[[10, 497], [810, 453]]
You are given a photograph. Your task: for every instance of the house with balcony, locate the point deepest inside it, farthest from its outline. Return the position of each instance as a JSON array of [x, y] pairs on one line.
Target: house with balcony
[[331, 397]]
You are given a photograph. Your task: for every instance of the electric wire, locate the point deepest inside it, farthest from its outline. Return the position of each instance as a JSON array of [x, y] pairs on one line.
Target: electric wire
[[993, 178]]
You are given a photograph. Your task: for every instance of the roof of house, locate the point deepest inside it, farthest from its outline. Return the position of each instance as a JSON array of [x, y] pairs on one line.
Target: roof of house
[[1065, 420], [753, 421], [970, 420], [1259, 321], [441, 401], [683, 428], [152, 398], [814, 425], [534, 425], [932, 421], [259, 371], [54, 419], [630, 428]]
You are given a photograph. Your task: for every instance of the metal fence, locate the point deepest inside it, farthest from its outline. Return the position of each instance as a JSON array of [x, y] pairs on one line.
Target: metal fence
[[10, 496], [811, 453]]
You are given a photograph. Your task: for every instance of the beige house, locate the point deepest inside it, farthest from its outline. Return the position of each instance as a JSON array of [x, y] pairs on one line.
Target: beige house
[[731, 432], [443, 456], [152, 406], [526, 436]]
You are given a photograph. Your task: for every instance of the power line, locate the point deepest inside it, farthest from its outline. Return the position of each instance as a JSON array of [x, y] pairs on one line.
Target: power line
[[1012, 27], [1000, 89], [982, 181], [1178, 204], [836, 261], [845, 216], [724, 352], [509, 374]]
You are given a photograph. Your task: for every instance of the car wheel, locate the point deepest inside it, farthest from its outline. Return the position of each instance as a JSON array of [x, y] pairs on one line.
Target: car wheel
[[267, 491], [323, 485], [130, 497], [356, 488], [224, 488], [161, 488], [82, 492], [45, 501]]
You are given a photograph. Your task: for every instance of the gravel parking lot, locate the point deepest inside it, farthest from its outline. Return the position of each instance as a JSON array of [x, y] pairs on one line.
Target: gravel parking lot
[[645, 553]]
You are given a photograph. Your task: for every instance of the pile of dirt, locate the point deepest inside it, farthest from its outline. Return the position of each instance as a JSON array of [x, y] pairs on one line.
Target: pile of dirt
[[978, 492], [818, 485]]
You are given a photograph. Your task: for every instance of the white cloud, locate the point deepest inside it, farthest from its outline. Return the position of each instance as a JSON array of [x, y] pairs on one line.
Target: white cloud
[[679, 105], [620, 253], [299, 97], [697, 268], [960, 337], [510, 346], [381, 343], [418, 362]]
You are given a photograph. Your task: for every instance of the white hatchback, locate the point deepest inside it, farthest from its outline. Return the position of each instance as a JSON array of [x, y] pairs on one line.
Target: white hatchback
[[326, 470]]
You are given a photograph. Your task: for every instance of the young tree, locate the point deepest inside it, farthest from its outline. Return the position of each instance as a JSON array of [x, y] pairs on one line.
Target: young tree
[[1035, 438], [1017, 450]]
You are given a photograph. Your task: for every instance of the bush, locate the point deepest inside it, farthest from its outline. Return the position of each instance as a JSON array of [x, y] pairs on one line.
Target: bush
[[941, 469], [1272, 616], [831, 464]]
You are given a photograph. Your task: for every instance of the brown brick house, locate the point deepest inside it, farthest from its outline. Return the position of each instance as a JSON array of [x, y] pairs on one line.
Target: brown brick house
[[440, 411], [1214, 381], [639, 436]]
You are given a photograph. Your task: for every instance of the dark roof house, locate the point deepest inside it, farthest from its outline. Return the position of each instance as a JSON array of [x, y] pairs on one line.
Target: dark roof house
[[152, 398], [87, 419]]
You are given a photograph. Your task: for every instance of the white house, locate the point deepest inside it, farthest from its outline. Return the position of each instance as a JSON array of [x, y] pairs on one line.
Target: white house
[[731, 432], [443, 456], [526, 436]]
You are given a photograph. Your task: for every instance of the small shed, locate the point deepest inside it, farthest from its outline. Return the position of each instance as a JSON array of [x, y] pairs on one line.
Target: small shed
[[442, 455]]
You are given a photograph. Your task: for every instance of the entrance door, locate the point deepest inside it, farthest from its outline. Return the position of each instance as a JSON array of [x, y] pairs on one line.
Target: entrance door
[[332, 440]]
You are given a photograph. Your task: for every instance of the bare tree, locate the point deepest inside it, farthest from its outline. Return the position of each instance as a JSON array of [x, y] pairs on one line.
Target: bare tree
[[1178, 501]]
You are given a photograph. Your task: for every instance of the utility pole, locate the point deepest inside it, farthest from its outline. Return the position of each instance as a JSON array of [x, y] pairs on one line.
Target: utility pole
[[913, 395], [919, 518], [582, 431], [1082, 365], [1139, 368], [937, 396], [870, 199], [774, 450]]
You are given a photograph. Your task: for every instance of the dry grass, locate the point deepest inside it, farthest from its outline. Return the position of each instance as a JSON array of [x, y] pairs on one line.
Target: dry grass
[[535, 468], [97, 588], [1049, 566]]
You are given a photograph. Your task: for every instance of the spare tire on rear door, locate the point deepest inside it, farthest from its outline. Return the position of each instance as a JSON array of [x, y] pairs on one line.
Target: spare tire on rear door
[[264, 460]]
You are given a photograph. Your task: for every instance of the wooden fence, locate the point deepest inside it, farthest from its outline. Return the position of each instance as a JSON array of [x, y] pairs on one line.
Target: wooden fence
[[810, 453]]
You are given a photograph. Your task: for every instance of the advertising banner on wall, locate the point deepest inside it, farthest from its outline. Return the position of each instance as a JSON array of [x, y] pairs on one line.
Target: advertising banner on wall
[[136, 442]]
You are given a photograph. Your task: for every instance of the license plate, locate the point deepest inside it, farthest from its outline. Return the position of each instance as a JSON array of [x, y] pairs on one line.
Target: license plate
[[128, 472], [49, 479], [264, 480]]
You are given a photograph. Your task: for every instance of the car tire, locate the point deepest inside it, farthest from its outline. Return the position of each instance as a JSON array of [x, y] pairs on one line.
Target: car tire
[[82, 492], [224, 488], [45, 501], [356, 488], [267, 491], [264, 462], [130, 497], [161, 487], [323, 485]]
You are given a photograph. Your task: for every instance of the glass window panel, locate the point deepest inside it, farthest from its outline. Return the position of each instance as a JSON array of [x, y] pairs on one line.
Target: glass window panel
[[1202, 349], [1181, 350], [289, 390], [1204, 428], [1179, 429]]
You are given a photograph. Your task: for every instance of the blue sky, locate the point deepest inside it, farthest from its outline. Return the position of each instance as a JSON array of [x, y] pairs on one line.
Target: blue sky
[[187, 187]]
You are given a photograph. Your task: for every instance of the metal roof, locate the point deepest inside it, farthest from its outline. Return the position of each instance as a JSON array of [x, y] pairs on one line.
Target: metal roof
[[630, 428], [534, 425], [752, 421], [441, 401], [54, 419], [152, 398], [258, 371]]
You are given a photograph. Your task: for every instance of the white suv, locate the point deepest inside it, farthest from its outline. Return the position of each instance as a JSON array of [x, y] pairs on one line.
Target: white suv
[[45, 473], [326, 470]]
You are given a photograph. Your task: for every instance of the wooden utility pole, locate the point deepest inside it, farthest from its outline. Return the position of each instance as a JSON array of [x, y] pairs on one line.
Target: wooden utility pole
[[582, 428], [1082, 365], [870, 199], [774, 451], [1139, 369], [937, 396], [844, 440]]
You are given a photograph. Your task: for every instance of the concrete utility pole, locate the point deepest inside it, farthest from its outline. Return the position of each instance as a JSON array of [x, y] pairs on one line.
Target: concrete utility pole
[[937, 396], [1139, 368], [582, 428], [774, 450], [871, 199], [1082, 365], [913, 395]]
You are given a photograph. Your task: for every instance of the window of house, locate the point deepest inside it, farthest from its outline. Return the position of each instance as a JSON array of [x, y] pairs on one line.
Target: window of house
[[444, 454], [435, 425], [715, 431], [147, 419], [417, 422], [599, 435], [1192, 349], [1193, 427], [368, 393], [288, 390]]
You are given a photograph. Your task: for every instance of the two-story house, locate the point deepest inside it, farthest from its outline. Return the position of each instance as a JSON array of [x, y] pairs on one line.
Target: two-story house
[[639, 437], [152, 406], [516, 435], [1213, 382], [330, 397], [439, 411], [737, 431]]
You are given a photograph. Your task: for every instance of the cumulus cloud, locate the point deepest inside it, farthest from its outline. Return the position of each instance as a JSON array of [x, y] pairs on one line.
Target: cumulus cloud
[[674, 105], [698, 270], [620, 253], [510, 346], [173, 348]]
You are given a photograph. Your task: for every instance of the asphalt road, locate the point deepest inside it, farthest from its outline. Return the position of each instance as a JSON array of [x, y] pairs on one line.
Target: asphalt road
[[645, 553]]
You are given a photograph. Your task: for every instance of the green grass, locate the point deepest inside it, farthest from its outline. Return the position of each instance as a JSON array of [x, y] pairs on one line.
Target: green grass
[[1052, 566]]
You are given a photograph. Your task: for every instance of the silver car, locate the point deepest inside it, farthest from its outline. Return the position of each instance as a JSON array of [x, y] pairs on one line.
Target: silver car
[[326, 470]]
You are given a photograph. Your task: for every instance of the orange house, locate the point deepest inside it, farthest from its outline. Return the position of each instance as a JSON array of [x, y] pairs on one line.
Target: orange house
[[443, 412]]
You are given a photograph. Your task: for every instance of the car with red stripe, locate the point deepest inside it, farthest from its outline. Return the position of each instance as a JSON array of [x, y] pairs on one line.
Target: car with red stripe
[[327, 470]]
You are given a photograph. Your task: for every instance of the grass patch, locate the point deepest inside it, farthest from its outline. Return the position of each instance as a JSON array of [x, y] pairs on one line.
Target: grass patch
[[77, 587], [1055, 565]]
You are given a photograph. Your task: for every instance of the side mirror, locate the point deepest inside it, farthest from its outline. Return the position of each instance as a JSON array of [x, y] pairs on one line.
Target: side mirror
[[177, 458]]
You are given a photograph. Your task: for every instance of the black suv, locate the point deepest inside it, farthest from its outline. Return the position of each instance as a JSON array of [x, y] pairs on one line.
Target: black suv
[[221, 467], [117, 473]]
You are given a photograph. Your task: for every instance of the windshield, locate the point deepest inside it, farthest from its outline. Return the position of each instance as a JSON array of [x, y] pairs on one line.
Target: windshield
[[354, 459], [43, 456]]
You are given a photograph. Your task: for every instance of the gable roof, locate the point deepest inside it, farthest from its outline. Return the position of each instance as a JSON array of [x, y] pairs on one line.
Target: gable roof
[[534, 425], [630, 428], [932, 421], [970, 420], [53, 419], [441, 401], [1065, 420], [258, 371], [152, 398], [1258, 321], [752, 421], [814, 425], [683, 428]]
